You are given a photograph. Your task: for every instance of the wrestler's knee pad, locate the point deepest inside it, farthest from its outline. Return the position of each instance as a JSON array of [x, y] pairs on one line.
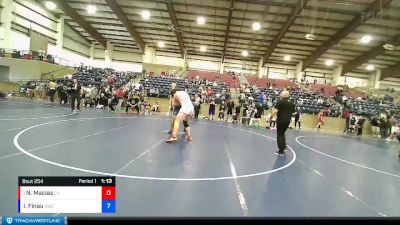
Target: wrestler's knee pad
[[185, 124]]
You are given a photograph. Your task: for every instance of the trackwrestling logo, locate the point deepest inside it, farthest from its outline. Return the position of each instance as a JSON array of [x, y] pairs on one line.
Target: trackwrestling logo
[[32, 220]]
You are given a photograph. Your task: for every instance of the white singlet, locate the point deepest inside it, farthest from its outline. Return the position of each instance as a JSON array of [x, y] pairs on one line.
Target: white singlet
[[187, 105]]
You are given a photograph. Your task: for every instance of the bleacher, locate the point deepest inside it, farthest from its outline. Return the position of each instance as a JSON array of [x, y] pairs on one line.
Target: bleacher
[[310, 104], [163, 84], [263, 82], [259, 82], [208, 75], [370, 108], [330, 90], [213, 76], [98, 77]]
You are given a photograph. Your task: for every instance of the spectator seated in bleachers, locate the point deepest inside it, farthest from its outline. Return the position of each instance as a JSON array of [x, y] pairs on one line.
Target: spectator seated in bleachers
[[159, 87]]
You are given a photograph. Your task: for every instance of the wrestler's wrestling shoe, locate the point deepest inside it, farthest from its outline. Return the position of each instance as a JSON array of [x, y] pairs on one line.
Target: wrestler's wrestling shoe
[[171, 139]]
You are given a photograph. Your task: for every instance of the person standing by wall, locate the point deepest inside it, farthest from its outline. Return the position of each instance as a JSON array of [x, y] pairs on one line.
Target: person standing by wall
[[297, 117], [375, 126], [197, 106], [384, 126], [353, 122], [52, 90], [284, 110], [230, 106], [346, 116], [62, 94], [211, 110], [221, 114], [320, 120], [237, 113], [75, 94], [360, 124], [393, 124], [271, 120]]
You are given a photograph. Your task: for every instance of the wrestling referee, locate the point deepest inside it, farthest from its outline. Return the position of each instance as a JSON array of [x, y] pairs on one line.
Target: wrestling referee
[[284, 110]]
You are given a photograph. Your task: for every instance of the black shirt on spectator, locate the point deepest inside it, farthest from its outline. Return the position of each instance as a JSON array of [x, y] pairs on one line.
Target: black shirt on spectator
[[230, 105], [73, 89], [133, 101], [237, 110]]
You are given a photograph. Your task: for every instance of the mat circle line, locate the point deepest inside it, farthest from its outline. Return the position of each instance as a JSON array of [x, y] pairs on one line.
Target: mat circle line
[[342, 160], [21, 149]]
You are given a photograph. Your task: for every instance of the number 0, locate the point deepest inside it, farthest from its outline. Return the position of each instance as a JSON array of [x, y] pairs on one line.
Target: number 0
[[108, 205]]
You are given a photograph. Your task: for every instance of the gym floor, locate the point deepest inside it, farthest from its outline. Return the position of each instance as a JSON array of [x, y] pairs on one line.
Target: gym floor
[[228, 170]]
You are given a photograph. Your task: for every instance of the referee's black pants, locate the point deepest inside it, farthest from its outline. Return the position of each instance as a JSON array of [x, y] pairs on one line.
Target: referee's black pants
[[281, 127], [76, 97]]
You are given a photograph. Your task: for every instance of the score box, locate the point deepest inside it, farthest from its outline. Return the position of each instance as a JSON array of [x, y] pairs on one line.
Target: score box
[[66, 195]]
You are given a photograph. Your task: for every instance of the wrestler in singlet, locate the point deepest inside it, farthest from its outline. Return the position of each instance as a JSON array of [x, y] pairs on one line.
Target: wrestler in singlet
[[185, 113]]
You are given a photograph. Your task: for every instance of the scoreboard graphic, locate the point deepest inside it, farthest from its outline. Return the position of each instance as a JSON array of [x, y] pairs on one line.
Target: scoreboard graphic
[[66, 195]]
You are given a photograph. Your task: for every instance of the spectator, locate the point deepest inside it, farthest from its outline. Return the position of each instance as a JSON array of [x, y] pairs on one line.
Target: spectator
[[62, 93], [52, 90], [241, 99], [271, 120], [360, 124], [114, 102], [320, 120], [155, 107], [133, 103], [393, 124], [256, 116], [246, 116], [31, 89], [209, 94], [197, 106], [221, 114], [237, 113], [297, 117], [353, 122], [211, 110], [346, 116], [384, 126], [75, 95], [375, 124], [230, 106]]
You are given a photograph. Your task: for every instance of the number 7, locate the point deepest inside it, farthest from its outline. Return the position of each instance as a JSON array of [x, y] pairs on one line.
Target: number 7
[[108, 205]]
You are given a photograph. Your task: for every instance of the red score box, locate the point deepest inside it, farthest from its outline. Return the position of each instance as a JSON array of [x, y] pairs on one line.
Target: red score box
[[108, 193]]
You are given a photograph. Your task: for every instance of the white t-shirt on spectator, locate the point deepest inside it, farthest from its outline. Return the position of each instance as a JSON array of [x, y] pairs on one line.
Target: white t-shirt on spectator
[[137, 86]]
